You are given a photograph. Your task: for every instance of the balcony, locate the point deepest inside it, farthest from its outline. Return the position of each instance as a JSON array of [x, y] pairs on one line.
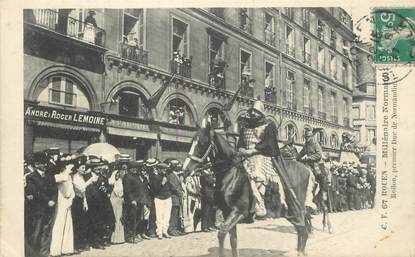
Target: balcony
[[334, 118], [68, 26], [133, 53], [346, 122], [289, 50], [322, 115], [270, 37], [247, 91], [270, 94], [308, 111], [181, 66], [217, 80], [307, 58]]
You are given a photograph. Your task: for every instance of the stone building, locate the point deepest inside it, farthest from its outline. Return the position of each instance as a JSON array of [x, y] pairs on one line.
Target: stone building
[[105, 64]]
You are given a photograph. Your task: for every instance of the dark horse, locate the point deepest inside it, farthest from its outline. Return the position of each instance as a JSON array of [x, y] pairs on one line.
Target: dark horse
[[233, 191]]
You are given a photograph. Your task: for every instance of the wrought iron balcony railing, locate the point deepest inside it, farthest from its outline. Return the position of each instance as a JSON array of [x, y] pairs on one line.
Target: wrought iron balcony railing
[[290, 50], [217, 80], [322, 115], [134, 53], [270, 37], [247, 90], [291, 106], [68, 26], [182, 67], [307, 58], [270, 94]]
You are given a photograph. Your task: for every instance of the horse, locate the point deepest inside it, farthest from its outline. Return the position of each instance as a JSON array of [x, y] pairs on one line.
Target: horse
[[233, 192]]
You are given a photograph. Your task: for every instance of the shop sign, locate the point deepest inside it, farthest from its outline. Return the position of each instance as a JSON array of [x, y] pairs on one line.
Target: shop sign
[[128, 125], [64, 116]]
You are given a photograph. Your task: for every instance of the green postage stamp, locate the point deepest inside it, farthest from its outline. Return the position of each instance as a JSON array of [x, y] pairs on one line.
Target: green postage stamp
[[394, 35]]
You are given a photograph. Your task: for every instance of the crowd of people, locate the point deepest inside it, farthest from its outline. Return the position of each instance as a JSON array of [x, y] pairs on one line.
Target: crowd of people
[[75, 203]]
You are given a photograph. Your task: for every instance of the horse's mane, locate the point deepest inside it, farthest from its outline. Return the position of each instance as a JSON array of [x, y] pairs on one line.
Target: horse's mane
[[227, 150]]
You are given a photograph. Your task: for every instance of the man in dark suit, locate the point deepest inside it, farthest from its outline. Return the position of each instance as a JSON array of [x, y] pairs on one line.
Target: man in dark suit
[[207, 181], [351, 183], [136, 197], [177, 192], [43, 196]]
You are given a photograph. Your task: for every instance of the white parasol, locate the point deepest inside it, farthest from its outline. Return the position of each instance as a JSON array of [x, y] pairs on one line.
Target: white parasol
[[104, 150]]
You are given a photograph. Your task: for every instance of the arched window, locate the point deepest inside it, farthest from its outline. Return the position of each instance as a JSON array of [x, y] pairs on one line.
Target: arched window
[[178, 112], [62, 90], [334, 141], [291, 131], [321, 138], [132, 103], [215, 117]]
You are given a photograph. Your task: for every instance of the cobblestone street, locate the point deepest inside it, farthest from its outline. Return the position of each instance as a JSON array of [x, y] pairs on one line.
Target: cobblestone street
[[353, 236]]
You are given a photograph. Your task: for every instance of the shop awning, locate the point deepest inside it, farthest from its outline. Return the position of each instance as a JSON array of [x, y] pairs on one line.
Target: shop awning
[[131, 133], [176, 138], [72, 127]]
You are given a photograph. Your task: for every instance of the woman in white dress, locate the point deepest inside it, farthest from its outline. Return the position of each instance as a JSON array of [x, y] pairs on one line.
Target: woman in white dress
[[62, 232], [117, 200]]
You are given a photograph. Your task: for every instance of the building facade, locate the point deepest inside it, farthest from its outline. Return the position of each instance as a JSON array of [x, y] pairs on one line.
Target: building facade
[[364, 99], [96, 70]]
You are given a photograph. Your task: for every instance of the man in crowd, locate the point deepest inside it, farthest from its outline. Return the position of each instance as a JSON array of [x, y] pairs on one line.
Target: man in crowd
[[136, 197], [42, 194], [177, 192], [207, 181]]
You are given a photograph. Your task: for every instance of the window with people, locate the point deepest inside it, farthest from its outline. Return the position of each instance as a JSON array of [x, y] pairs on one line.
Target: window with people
[[132, 103], [217, 62], [181, 61], [246, 73], [178, 112], [132, 44]]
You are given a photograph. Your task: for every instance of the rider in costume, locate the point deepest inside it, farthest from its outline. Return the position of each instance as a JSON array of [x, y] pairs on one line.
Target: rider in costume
[[258, 142]]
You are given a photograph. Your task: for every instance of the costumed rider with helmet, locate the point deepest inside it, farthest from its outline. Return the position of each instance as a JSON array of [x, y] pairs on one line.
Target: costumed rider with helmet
[[258, 144]]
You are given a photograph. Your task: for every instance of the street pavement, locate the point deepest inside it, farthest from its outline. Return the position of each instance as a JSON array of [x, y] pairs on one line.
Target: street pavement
[[356, 233]]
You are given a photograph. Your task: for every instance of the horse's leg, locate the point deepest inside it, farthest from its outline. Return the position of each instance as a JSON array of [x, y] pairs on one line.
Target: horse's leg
[[303, 241], [233, 236], [231, 220]]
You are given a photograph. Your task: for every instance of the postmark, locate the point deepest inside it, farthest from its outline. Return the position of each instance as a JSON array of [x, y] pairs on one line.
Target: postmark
[[394, 35]]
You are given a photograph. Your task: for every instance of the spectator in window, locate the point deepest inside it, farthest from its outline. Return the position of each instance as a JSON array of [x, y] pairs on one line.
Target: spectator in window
[[181, 115], [161, 190], [90, 27], [172, 114]]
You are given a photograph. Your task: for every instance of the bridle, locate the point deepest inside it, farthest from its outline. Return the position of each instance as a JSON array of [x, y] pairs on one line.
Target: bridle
[[211, 149]]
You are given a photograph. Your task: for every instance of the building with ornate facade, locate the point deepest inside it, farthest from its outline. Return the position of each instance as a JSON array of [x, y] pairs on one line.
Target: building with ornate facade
[[92, 72]]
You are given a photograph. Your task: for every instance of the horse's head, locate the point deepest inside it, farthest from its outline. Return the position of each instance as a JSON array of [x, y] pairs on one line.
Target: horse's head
[[203, 148]]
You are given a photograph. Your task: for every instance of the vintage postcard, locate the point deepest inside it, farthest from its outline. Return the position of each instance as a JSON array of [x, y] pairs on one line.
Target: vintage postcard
[[204, 129]]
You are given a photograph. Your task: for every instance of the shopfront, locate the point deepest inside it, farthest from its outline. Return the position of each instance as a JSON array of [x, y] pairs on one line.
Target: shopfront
[[46, 126]]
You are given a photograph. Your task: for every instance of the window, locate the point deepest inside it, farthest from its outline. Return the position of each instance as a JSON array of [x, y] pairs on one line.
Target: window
[[357, 135], [371, 114], [333, 105], [320, 104], [62, 91], [269, 75], [180, 38], [345, 112], [345, 47], [334, 141], [179, 113], [290, 88], [371, 90], [356, 112], [246, 73], [132, 103], [289, 39], [289, 12], [333, 71], [215, 116], [306, 18], [320, 30], [133, 27], [306, 51], [345, 74], [333, 38], [321, 59], [216, 51], [245, 22], [269, 29], [321, 138], [306, 97], [290, 131], [371, 135]]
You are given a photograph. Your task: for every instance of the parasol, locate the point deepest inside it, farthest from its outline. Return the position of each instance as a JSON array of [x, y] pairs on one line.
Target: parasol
[[104, 150]]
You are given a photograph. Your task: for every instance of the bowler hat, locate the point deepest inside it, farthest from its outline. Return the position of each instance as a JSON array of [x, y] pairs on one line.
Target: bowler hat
[[95, 162]]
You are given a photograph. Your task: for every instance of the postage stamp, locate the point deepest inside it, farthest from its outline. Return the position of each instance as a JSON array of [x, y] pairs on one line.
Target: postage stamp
[[394, 38]]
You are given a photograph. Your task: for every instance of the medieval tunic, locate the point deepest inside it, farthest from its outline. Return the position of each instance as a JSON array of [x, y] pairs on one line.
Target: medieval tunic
[[263, 138], [62, 234]]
